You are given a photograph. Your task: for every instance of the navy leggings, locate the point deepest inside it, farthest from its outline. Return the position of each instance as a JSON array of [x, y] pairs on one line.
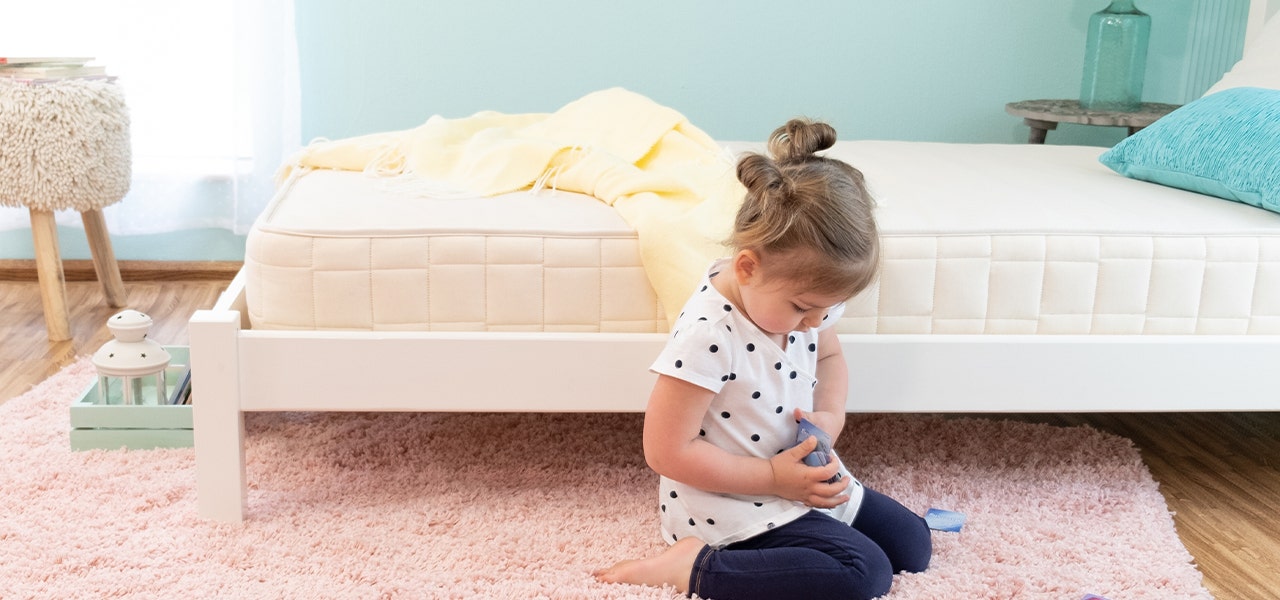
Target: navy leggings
[[818, 557]]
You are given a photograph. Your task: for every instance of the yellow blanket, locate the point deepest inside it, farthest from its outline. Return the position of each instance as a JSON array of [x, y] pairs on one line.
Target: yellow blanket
[[666, 177]]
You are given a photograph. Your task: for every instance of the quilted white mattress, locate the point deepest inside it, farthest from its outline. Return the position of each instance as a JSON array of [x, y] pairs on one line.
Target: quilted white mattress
[[341, 250], [977, 239]]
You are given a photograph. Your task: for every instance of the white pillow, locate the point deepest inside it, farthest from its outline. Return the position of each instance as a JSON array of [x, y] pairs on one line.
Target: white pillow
[[1260, 66]]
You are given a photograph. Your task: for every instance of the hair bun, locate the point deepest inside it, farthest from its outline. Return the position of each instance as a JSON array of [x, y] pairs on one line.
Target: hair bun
[[758, 172], [799, 139]]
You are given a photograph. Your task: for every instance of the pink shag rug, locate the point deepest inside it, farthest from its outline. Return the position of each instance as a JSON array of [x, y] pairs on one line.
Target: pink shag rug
[[389, 505]]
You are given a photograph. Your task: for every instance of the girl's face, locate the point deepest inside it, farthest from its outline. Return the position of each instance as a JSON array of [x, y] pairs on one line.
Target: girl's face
[[775, 303]]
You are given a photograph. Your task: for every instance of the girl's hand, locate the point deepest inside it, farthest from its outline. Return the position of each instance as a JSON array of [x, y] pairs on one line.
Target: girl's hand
[[794, 480], [830, 423]]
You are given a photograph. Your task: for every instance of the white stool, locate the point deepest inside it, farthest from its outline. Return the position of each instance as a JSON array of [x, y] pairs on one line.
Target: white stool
[[65, 145]]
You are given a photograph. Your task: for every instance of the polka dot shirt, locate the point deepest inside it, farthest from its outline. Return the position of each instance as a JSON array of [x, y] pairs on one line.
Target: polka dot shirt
[[758, 385]]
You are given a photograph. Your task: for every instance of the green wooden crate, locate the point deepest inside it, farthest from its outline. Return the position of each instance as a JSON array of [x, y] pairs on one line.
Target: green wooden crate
[[137, 427]]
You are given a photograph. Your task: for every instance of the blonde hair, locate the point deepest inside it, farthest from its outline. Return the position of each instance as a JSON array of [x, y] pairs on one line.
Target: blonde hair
[[810, 214]]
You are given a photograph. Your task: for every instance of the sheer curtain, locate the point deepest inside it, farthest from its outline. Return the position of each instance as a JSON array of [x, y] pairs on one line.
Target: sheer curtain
[[213, 98]]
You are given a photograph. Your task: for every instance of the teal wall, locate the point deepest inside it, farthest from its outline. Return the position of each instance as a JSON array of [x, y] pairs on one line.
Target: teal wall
[[907, 69], [190, 245], [938, 70]]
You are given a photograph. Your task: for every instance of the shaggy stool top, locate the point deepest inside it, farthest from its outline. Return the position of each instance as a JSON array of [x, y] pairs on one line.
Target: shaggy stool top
[[63, 144]]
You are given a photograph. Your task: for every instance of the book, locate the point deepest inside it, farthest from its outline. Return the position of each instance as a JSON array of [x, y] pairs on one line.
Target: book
[[51, 72], [944, 520], [182, 389], [50, 81], [821, 454], [36, 60]]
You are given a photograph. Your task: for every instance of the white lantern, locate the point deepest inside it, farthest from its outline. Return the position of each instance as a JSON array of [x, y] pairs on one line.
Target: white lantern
[[131, 367]]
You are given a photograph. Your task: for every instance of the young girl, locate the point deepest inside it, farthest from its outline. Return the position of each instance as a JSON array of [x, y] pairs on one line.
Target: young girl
[[752, 353]]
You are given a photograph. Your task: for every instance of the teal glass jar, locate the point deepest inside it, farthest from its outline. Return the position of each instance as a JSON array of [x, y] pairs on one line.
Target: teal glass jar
[[1115, 58]]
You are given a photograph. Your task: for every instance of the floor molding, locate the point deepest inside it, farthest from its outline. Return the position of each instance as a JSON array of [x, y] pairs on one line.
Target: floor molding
[[130, 270]]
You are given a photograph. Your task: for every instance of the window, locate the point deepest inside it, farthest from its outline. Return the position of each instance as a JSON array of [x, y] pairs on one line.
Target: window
[[212, 89]]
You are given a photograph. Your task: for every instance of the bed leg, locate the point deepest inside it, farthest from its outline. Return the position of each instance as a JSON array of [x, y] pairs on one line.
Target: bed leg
[[217, 419]]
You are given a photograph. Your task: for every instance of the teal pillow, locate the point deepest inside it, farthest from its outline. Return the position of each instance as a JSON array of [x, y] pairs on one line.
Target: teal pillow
[[1225, 144]]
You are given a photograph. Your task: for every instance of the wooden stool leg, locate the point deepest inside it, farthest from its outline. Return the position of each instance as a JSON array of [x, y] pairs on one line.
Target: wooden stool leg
[[104, 259], [53, 294]]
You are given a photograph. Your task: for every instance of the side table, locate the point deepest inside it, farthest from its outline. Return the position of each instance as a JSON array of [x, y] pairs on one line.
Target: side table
[[1043, 115]]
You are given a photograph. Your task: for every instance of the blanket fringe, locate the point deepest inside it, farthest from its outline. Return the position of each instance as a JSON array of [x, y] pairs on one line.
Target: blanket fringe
[[389, 161], [540, 183], [389, 166], [420, 187], [552, 173]]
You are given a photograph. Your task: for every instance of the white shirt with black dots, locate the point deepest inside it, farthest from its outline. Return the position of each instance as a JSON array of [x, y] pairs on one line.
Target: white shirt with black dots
[[758, 385]]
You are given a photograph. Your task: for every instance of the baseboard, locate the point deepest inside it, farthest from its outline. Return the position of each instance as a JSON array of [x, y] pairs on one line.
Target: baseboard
[[130, 270]]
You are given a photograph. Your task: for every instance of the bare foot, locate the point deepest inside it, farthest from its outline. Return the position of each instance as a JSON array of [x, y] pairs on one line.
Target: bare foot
[[672, 567]]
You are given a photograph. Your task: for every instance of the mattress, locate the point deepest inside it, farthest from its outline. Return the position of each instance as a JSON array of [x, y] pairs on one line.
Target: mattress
[[342, 250], [977, 238]]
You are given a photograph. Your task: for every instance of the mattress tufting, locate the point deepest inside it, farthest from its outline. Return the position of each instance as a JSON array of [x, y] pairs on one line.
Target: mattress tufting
[[978, 238], [340, 250]]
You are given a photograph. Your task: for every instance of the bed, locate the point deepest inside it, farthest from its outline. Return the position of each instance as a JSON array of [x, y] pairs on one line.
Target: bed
[[1017, 278]]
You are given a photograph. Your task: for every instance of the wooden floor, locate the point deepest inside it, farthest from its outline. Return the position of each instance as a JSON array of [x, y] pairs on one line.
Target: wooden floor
[[1218, 471], [27, 356]]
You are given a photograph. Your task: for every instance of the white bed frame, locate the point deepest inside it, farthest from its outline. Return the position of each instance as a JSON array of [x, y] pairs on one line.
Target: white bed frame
[[236, 369]]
